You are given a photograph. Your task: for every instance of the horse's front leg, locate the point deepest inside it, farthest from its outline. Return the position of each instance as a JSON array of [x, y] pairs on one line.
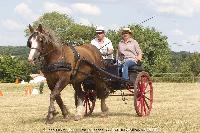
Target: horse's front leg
[[79, 96], [63, 108], [55, 95]]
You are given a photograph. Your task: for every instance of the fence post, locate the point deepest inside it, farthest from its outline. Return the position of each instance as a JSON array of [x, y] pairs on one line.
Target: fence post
[[193, 79]]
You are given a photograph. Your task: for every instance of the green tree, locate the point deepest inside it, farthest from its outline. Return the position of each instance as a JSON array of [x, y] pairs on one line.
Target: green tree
[[12, 68], [157, 53], [178, 59], [65, 28], [191, 64]]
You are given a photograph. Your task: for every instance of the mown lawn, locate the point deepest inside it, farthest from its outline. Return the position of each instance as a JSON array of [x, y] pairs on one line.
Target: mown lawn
[[176, 108]]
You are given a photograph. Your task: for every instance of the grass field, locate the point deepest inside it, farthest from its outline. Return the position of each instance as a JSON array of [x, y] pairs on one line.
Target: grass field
[[176, 108]]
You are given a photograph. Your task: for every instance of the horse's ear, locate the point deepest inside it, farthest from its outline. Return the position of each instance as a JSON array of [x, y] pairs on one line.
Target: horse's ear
[[40, 28], [31, 28]]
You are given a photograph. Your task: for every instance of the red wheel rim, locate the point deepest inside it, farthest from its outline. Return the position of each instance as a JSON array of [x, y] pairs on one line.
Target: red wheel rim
[[89, 102], [143, 95]]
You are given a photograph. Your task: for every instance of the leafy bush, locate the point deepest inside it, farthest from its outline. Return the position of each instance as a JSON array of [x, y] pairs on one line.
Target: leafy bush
[[173, 77], [12, 68]]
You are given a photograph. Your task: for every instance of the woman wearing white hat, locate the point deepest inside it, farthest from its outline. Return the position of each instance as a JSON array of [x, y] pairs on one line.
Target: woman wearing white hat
[[128, 50], [103, 43]]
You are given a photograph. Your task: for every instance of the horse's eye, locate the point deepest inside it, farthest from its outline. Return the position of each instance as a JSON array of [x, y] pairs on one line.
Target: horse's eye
[[29, 44], [40, 39]]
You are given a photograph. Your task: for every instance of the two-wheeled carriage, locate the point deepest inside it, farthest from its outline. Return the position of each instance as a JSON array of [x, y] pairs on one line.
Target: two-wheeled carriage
[[139, 85]]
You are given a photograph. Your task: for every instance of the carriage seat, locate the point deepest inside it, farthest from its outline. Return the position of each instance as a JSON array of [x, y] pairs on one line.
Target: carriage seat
[[138, 68]]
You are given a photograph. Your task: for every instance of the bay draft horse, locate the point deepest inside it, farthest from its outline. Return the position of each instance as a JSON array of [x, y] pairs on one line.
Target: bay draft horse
[[47, 49]]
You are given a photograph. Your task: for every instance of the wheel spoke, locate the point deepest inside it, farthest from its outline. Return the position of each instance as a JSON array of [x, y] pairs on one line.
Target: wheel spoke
[[144, 107], [144, 81], [138, 104], [138, 99], [147, 92], [139, 86], [146, 104], [141, 106], [147, 98], [147, 83]]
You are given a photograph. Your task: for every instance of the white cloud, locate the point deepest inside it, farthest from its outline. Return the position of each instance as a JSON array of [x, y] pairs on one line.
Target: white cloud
[[177, 32], [24, 10], [12, 38], [11, 24], [85, 8], [29, 1], [179, 7], [84, 21], [194, 38], [49, 7]]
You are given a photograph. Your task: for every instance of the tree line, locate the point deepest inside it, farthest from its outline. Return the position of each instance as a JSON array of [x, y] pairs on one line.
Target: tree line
[[157, 56]]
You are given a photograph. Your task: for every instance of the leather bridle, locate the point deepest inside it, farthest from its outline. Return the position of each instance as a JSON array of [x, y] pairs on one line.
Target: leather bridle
[[40, 50]]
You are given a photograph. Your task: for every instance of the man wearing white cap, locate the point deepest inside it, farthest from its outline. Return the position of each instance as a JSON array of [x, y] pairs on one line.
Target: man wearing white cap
[[103, 43], [129, 51]]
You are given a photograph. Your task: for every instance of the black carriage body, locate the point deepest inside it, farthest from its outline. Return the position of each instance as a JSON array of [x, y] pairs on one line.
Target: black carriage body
[[118, 84], [114, 79]]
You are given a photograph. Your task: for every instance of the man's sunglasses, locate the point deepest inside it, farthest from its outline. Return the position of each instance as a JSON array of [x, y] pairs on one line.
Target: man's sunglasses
[[100, 32]]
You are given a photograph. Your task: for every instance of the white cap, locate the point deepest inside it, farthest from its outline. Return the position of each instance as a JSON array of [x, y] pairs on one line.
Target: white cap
[[100, 29], [126, 30]]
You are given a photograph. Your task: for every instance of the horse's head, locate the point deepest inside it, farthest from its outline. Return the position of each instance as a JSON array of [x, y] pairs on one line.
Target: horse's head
[[40, 43]]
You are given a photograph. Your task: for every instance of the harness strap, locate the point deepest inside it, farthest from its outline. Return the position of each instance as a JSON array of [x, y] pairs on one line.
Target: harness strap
[[76, 68]]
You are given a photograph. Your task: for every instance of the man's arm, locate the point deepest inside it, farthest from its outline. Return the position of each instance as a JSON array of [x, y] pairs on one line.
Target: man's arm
[[139, 51], [110, 48]]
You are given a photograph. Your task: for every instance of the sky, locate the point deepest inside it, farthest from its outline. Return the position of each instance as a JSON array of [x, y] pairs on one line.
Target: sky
[[179, 20]]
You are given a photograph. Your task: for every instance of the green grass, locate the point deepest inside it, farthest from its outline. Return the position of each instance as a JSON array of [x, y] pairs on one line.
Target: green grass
[[176, 108]]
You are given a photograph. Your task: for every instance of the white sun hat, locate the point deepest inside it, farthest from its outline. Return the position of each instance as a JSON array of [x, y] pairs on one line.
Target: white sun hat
[[126, 29], [100, 29]]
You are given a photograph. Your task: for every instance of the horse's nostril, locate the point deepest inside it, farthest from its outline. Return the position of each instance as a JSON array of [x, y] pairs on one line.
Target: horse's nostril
[[30, 60]]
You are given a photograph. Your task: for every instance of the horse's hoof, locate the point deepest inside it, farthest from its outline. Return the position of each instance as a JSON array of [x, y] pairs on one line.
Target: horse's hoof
[[55, 113], [105, 109], [49, 121], [78, 117], [50, 118], [104, 114], [66, 118]]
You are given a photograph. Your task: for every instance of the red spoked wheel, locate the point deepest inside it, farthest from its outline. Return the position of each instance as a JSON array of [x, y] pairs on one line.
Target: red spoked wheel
[[89, 101], [143, 94]]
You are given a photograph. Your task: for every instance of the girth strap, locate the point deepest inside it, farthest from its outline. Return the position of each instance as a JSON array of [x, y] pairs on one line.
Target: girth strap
[[58, 66]]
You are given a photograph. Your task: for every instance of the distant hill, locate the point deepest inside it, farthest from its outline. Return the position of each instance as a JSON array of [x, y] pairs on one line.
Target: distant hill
[[21, 51], [24, 51]]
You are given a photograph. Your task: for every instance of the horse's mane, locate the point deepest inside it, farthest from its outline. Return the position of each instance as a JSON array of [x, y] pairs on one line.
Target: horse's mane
[[54, 38]]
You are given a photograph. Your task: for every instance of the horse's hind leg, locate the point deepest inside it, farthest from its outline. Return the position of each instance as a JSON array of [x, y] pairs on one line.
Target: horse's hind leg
[[78, 101], [63, 108]]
